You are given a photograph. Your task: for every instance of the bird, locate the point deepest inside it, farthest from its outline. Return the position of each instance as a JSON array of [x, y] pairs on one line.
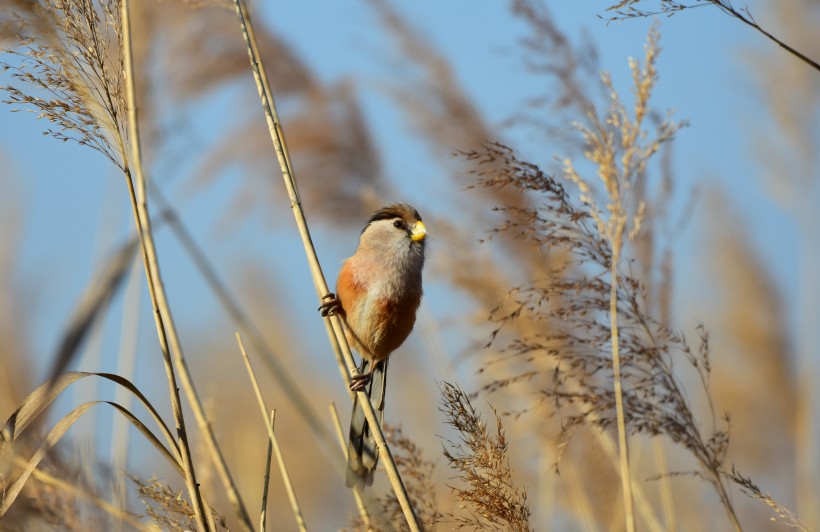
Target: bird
[[378, 291]]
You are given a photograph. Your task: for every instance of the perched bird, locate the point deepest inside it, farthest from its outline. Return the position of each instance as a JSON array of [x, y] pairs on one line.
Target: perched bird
[[377, 293]]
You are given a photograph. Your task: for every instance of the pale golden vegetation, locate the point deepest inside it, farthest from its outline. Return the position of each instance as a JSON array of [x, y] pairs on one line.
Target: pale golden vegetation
[[583, 358]]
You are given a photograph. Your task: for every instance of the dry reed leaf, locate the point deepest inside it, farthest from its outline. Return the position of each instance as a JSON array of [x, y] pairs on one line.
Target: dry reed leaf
[[41, 398], [60, 497], [12, 489]]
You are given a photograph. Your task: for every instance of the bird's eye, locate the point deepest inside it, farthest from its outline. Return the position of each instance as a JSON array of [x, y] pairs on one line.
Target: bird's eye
[[398, 224]]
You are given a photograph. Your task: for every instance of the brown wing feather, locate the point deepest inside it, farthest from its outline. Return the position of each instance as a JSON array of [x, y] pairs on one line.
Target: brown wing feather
[[348, 290]]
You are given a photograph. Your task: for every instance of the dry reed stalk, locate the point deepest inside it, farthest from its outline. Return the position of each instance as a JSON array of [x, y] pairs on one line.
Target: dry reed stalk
[[73, 58], [274, 126], [245, 324], [357, 494], [162, 311], [263, 517], [623, 450], [641, 501], [294, 503]]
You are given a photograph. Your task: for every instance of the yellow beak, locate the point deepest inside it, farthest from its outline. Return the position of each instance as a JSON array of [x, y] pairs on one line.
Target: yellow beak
[[418, 232]]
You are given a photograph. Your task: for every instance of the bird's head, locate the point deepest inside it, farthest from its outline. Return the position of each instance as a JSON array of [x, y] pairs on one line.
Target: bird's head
[[395, 231]]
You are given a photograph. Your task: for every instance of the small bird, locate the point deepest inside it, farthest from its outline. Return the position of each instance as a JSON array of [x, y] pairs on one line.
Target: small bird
[[377, 294]]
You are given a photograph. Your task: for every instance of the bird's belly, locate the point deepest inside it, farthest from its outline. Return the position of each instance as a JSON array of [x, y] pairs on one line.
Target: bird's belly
[[380, 325]]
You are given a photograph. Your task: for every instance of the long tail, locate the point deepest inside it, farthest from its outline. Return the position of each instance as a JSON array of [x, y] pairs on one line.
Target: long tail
[[362, 453]]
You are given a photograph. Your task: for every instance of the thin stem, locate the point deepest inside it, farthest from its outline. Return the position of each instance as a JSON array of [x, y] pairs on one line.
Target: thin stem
[[294, 503], [266, 96], [144, 230], [724, 499], [750, 21], [263, 517], [162, 313], [626, 479], [246, 326]]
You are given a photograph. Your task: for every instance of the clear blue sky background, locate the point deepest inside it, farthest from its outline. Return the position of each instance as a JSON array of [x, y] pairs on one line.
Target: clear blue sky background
[[59, 188]]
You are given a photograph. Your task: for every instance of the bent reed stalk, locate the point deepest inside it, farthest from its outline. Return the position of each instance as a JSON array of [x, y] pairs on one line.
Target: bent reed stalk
[[277, 137]]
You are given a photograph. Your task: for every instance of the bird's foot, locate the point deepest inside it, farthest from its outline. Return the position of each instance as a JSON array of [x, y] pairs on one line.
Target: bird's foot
[[330, 305], [359, 382]]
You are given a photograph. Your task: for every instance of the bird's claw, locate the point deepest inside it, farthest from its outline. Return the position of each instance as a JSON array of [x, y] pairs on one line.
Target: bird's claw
[[359, 382], [330, 305]]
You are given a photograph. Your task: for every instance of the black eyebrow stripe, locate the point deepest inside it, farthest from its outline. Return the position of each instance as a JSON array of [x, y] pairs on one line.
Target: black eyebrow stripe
[[400, 211]]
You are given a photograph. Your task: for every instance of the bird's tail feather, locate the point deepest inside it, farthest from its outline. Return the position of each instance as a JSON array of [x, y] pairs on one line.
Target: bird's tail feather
[[362, 453]]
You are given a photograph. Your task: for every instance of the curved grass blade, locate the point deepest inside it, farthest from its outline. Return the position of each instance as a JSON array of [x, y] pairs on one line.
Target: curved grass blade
[[11, 492], [40, 399]]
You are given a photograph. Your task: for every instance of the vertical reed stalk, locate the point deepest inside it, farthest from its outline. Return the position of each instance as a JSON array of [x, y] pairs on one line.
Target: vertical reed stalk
[[243, 322], [149, 260], [294, 503], [626, 478], [162, 312], [263, 517], [266, 96]]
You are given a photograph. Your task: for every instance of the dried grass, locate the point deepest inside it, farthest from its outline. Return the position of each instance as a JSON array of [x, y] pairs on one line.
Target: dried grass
[[549, 351], [168, 508], [489, 498], [417, 473], [63, 61], [584, 380]]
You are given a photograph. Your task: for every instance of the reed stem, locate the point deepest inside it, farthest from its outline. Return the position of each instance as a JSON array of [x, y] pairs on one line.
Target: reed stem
[[275, 129]]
